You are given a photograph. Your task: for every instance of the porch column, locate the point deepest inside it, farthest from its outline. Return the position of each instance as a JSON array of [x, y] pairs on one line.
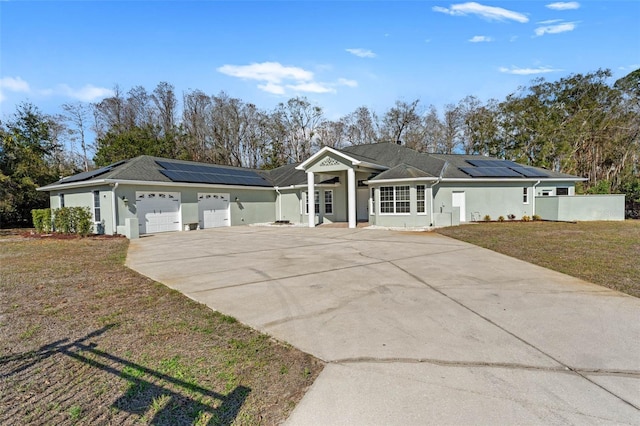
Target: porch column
[[351, 196], [311, 199]]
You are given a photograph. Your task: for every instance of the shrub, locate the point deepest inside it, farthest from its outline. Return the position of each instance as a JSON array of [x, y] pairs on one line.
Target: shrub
[[501, 219], [487, 218], [511, 216], [73, 220], [536, 217], [41, 220], [526, 218]]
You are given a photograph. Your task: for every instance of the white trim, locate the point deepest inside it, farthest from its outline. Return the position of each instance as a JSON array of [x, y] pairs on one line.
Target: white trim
[[424, 213], [402, 180], [324, 202], [515, 180], [394, 202], [351, 198], [353, 161], [54, 187]]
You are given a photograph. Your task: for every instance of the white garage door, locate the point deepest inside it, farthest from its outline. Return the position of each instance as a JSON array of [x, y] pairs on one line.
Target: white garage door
[[213, 210], [158, 211]]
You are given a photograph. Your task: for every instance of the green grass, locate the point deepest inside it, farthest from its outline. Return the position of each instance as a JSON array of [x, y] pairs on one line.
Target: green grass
[[86, 340], [604, 253]]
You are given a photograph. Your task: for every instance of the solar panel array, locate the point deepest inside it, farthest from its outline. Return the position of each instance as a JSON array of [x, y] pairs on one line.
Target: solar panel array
[[212, 174], [90, 174], [501, 168]]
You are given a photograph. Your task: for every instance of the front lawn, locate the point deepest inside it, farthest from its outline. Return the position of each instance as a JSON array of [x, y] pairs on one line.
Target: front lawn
[[85, 340], [604, 253]]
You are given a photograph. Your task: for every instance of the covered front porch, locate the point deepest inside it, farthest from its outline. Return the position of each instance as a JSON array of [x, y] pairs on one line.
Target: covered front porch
[[355, 171]]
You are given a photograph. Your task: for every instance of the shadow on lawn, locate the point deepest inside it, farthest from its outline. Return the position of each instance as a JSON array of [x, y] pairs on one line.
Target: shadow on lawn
[[157, 397]]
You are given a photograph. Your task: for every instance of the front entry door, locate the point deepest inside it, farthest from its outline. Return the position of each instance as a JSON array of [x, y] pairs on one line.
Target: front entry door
[[458, 200]]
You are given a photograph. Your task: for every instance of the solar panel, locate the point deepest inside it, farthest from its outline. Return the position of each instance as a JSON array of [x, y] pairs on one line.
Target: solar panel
[[492, 163], [249, 178], [490, 172], [530, 172], [90, 174]]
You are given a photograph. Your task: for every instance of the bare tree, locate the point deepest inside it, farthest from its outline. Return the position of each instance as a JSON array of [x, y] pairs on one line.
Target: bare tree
[[77, 114], [398, 119], [301, 120], [361, 127]]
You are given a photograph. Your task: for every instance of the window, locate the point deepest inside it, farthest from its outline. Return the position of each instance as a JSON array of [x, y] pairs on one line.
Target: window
[[96, 206], [317, 202], [420, 194], [61, 200], [525, 195], [328, 202], [562, 191], [394, 199]]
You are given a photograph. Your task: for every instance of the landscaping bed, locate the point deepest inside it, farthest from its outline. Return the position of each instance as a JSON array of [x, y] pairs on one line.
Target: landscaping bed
[[85, 340]]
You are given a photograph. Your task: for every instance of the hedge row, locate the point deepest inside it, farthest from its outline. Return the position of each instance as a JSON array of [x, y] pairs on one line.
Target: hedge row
[[66, 220]]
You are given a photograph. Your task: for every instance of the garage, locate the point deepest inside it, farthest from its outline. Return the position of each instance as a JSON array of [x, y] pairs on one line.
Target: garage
[[158, 211], [213, 210]]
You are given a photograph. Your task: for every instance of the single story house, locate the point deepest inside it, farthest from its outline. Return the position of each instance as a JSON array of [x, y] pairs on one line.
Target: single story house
[[383, 184]]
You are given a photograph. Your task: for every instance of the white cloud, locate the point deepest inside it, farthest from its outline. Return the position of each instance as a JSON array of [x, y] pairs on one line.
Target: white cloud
[[528, 71], [491, 13], [276, 78], [14, 84], [87, 93], [362, 53], [555, 29], [276, 89], [564, 5], [550, 21], [311, 87], [480, 39], [346, 82], [273, 72]]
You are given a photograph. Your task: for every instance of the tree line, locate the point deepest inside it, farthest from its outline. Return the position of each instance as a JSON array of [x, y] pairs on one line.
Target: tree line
[[580, 124]]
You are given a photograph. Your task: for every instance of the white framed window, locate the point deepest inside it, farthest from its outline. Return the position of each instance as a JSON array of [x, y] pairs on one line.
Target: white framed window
[[328, 202], [525, 195], [395, 199], [421, 199], [316, 202], [96, 206], [562, 191], [61, 196]]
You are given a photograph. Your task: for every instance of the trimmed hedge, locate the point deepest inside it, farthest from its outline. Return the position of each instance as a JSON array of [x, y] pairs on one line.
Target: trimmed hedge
[[42, 220], [66, 220]]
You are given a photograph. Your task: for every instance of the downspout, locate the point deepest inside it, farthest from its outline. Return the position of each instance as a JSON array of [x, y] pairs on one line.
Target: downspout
[[433, 199], [113, 208], [279, 203], [533, 199]]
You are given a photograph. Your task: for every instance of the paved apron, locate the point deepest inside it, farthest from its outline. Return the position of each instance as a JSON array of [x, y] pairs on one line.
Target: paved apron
[[416, 328]]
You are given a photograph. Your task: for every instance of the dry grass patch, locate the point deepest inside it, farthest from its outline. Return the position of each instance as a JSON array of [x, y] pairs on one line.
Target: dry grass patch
[[85, 340], [604, 253]]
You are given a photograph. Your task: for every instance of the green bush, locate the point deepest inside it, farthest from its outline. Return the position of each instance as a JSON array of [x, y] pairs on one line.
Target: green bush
[[501, 219], [41, 220], [536, 217], [487, 218], [73, 220], [526, 218]]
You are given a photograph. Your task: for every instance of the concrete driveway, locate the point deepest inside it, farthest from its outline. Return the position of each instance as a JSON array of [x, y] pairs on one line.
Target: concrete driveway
[[416, 328]]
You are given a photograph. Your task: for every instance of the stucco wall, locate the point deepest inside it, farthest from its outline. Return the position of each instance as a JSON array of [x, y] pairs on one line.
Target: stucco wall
[[581, 207], [83, 197], [413, 219], [487, 198]]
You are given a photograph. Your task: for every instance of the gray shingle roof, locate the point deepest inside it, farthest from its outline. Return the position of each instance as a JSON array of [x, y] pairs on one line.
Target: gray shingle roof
[[402, 163]]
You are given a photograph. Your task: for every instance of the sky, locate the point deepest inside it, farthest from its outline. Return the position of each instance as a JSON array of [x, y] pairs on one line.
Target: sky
[[340, 55]]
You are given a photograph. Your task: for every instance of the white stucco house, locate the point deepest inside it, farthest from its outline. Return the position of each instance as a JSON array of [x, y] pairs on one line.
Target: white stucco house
[[381, 184]]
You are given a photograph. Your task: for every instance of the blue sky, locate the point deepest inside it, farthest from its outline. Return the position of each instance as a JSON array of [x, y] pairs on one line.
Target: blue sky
[[339, 54]]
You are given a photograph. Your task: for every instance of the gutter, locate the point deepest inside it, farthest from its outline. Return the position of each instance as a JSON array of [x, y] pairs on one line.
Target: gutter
[[433, 199]]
